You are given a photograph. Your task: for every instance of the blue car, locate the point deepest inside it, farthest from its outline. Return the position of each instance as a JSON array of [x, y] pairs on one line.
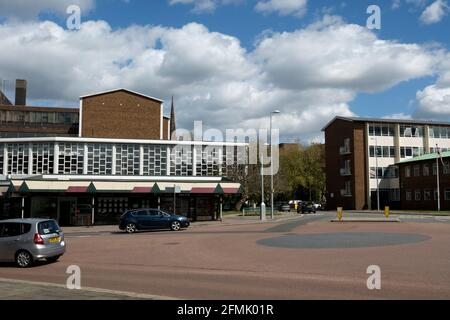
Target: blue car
[[146, 219]]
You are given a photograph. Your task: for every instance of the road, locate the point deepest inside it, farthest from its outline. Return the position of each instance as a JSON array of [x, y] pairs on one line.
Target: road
[[305, 258]]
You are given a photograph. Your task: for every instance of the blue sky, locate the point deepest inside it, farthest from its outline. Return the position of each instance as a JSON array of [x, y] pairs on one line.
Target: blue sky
[[410, 29]]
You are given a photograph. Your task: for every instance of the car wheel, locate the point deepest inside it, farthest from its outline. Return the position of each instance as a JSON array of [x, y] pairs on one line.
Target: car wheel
[[53, 259], [24, 259], [175, 226], [130, 228]]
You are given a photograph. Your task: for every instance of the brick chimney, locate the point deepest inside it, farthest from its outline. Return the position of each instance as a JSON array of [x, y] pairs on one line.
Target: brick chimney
[[21, 92]]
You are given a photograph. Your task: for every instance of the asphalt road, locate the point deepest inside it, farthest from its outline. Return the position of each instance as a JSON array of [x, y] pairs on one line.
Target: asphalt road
[[305, 258]]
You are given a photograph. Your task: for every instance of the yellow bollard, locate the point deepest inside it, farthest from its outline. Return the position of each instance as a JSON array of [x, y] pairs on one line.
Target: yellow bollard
[[387, 211], [339, 213]]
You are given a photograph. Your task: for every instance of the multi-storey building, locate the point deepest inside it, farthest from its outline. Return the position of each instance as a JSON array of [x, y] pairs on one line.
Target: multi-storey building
[[419, 182], [362, 156], [122, 157]]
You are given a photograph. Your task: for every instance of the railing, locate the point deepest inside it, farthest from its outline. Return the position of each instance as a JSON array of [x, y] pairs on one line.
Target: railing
[[345, 172], [344, 150], [345, 193]]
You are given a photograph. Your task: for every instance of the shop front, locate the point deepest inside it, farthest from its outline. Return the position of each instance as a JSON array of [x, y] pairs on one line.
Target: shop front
[[84, 203]]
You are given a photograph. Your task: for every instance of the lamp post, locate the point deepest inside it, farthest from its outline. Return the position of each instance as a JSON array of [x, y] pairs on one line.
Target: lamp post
[[271, 163], [263, 205], [376, 173]]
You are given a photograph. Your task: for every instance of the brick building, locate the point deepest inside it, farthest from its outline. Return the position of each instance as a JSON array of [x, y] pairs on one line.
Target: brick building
[[418, 182], [363, 154], [112, 154]]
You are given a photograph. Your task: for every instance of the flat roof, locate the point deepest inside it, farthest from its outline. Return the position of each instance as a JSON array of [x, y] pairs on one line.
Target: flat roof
[[385, 120], [428, 156]]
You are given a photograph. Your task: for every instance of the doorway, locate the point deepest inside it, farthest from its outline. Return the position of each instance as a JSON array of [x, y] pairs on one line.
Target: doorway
[[66, 211]]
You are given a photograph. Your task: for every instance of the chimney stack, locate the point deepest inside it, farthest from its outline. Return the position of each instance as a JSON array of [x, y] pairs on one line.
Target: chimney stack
[[21, 92]]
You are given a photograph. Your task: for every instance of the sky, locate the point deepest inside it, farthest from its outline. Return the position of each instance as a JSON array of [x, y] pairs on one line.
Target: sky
[[229, 63]]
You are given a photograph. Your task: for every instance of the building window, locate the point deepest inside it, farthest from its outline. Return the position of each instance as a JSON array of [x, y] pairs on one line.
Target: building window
[[407, 152], [434, 169], [439, 132], [347, 192], [417, 195], [71, 158], [127, 159], [426, 170], [447, 194], [18, 158], [427, 195], [411, 131], [379, 130], [99, 158], [407, 172], [416, 171], [1, 159], [181, 160], [446, 167], [43, 155], [408, 195], [208, 161], [155, 160], [435, 194]]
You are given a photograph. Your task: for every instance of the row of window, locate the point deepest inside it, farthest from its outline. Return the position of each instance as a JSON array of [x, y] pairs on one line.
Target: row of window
[[424, 170], [411, 131], [425, 195], [209, 161], [38, 117], [389, 151], [384, 172]]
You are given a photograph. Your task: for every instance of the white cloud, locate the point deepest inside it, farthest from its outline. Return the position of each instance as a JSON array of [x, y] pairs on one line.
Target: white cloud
[[204, 6], [311, 74], [282, 7], [29, 9], [435, 12], [434, 100]]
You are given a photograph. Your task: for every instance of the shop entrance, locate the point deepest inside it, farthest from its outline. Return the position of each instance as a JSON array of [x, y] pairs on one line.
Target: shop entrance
[[66, 211]]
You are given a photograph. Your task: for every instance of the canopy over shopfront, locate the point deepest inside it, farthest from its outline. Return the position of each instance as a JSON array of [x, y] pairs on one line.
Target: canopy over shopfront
[[85, 202]]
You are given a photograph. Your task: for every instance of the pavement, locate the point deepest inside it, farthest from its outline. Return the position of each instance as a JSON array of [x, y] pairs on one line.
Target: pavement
[[295, 257], [31, 290]]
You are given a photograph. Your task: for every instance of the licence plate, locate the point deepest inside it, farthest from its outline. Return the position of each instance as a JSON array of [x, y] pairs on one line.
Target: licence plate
[[54, 240]]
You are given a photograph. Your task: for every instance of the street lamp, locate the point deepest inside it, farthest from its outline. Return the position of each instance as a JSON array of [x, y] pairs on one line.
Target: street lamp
[[263, 205], [376, 173], [271, 163]]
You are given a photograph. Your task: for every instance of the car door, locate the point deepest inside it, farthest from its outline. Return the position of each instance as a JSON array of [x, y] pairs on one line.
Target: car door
[[156, 218], [142, 218], [165, 219], [9, 240]]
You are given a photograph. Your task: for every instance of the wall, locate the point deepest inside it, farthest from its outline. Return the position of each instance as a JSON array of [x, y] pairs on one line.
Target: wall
[[121, 115]]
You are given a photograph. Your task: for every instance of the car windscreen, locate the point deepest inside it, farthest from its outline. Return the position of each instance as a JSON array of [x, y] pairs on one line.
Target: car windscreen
[[48, 227]]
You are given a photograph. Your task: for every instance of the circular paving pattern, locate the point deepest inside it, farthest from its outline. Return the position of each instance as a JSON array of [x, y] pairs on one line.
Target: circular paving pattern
[[342, 240]]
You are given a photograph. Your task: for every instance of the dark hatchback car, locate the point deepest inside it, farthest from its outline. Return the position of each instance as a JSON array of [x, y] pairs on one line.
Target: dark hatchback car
[[306, 208], [147, 219]]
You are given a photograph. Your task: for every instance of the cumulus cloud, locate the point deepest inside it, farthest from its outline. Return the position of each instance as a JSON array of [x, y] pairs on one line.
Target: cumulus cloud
[[435, 12], [29, 9], [434, 100], [311, 74], [282, 7]]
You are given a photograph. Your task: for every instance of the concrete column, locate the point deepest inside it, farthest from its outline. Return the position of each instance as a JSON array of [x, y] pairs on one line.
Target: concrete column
[[5, 160], [141, 160], [56, 158], [397, 142], [85, 159], [426, 139], [30, 158], [194, 161], [168, 161], [93, 211], [114, 149]]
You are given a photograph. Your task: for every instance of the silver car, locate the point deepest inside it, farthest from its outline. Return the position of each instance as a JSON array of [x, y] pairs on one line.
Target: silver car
[[26, 240]]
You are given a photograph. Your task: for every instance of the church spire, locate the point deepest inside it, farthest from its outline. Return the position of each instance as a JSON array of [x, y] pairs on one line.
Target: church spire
[[173, 126]]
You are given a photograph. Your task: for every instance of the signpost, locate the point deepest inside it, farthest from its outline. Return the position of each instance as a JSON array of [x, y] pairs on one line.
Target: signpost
[[176, 189]]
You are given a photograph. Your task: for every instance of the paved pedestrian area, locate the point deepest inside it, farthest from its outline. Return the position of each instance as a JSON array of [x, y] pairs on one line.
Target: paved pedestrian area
[[26, 290]]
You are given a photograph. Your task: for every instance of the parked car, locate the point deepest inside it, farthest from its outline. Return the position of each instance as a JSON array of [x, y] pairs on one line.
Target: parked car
[[25, 241], [306, 208], [146, 219], [285, 208]]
